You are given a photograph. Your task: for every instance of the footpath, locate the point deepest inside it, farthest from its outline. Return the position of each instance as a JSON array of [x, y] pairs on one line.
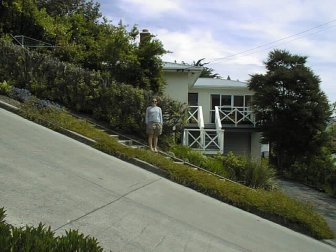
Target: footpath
[[320, 201]]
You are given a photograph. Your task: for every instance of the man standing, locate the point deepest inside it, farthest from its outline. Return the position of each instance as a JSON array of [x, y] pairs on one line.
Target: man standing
[[153, 124]]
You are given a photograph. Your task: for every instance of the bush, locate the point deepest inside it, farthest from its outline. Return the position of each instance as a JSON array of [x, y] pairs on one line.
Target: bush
[[255, 174], [5, 88], [41, 238], [318, 171], [20, 94], [330, 186]]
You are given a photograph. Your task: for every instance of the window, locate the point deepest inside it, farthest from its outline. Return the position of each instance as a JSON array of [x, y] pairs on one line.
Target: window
[[215, 101], [248, 101], [226, 100], [238, 101], [193, 99], [229, 102]]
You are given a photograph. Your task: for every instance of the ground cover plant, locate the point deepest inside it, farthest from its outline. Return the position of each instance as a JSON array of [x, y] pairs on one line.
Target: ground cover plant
[[272, 205]]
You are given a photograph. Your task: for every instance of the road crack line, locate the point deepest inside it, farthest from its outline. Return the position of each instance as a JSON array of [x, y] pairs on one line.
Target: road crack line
[[105, 205]]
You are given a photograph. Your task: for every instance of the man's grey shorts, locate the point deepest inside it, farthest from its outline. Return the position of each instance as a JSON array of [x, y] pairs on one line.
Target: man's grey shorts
[[153, 128]]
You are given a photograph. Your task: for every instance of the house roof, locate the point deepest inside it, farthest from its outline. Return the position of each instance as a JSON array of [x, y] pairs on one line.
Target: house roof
[[219, 83], [170, 66]]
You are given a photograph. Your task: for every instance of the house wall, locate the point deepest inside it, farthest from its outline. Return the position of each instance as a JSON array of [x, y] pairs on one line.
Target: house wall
[[243, 143], [256, 145], [237, 142], [204, 98], [178, 84]]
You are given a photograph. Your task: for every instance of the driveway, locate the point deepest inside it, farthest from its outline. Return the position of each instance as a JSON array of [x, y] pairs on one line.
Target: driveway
[[49, 178]]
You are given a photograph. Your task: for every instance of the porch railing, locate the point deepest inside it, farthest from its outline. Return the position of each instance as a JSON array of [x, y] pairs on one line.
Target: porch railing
[[219, 130], [195, 115], [236, 115], [205, 140]]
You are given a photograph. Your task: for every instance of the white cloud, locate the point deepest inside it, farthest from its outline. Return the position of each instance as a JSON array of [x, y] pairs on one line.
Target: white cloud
[[215, 30], [149, 7]]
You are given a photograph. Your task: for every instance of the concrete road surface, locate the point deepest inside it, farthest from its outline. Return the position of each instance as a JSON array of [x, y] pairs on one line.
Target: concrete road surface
[[49, 178]]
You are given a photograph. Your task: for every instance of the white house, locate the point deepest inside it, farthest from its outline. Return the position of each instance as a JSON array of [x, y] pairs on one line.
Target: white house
[[220, 115]]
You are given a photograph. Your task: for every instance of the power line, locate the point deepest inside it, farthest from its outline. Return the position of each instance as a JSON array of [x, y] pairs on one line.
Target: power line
[[267, 48], [273, 42]]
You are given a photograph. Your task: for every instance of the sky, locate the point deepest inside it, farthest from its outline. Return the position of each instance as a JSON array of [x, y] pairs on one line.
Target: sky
[[235, 37]]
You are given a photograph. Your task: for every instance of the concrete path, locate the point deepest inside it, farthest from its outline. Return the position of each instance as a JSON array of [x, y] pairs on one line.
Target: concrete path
[[47, 177], [322, 202]]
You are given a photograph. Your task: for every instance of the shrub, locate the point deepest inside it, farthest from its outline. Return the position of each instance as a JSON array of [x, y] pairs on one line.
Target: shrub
[[255, 174], [259, 174], [181, 151], [20, 94], [317, 171], [5, 88], [330, 186], [235, 165], [41, 238]]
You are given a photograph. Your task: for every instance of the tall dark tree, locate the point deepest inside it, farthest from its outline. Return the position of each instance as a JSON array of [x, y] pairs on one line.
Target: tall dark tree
[[290, 107]]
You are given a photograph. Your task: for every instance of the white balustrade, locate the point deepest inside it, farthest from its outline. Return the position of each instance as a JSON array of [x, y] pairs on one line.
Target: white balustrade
[[236, 115]]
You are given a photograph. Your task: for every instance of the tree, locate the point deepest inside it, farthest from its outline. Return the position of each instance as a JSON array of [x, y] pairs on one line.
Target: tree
[[290, 108], [206, 72], [61, 8], [79, 35]]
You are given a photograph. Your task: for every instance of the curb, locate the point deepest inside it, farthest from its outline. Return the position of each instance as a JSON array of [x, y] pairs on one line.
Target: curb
[[76, 136], [9, 107], [331, 243], [149, 167], [69, 133]]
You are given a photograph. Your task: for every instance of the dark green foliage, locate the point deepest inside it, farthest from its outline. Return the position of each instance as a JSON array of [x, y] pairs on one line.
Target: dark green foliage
[[122, 106], [291, 109], [75, 33], [89, 9], [319, 172], [255, 174], [5, 232], [75, 241], [41, 238], [174, 118], [5, 88]]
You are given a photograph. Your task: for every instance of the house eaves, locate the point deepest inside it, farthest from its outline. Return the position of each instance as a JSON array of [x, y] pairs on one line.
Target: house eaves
[[210, 83], [178, 67]]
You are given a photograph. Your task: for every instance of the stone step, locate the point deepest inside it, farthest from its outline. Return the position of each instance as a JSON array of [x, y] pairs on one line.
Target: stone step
[[125, 142]]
